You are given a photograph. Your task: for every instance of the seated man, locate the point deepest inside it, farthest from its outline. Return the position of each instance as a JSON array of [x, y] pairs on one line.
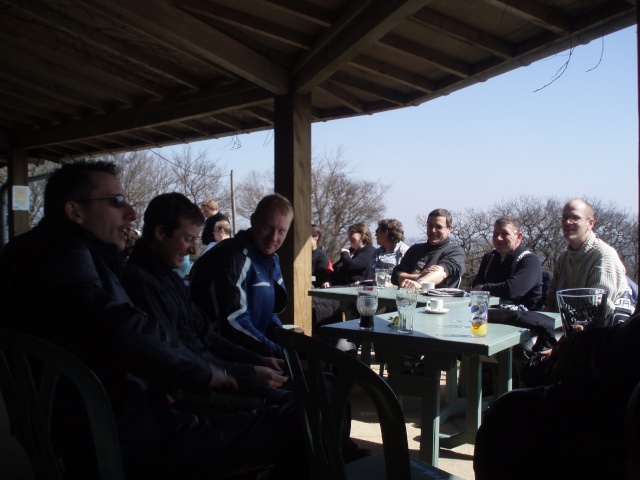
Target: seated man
[[588, 262], [171, 229], [72, 259], [510, 271], [239, 283], [438, 260]]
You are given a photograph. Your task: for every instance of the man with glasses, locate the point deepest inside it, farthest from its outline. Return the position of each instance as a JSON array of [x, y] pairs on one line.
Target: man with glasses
[[588, 262], [61, 281]]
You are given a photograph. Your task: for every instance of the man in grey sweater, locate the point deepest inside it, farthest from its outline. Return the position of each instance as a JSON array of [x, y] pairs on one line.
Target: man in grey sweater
[[588, 262]]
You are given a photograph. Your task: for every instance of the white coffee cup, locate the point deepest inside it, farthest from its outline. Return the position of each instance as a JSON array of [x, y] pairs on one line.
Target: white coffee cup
[[426, 286], [435, 304]]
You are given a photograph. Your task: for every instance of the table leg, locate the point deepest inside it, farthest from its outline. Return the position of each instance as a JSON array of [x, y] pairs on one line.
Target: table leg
[[430, 424], [474, 395], [473, 368], [505, 372]]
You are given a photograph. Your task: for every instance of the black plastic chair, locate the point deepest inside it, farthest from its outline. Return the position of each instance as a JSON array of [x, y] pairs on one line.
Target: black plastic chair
[[30, 369], [324, 415]]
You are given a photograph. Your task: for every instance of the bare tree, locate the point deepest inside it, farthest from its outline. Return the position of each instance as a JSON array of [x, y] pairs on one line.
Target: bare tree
[[199, 178], [339, 198], [249, 192], [143, 176]]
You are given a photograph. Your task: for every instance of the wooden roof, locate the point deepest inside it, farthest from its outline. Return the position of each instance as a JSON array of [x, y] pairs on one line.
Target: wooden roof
[[85, 77]]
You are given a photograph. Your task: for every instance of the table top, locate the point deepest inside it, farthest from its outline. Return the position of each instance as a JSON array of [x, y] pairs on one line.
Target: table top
[[385, 295], [449, 332]]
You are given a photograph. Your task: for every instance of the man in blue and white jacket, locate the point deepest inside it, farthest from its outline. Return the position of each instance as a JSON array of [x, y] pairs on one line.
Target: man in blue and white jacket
[[239, 282]]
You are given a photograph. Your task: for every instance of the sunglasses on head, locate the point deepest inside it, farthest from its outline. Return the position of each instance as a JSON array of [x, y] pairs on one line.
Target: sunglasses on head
[[117, 201]]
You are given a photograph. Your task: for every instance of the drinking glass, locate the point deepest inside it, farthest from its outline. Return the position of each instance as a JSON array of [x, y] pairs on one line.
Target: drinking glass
[[367, 304], [479, 313], [381, 277], [406, 304], [582, 307]]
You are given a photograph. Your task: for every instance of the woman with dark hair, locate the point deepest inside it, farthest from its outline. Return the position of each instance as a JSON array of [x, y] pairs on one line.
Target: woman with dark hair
[[355, 263], [390, 237]]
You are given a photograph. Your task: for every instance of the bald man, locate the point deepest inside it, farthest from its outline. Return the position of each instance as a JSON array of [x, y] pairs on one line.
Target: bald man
[[588, 262]]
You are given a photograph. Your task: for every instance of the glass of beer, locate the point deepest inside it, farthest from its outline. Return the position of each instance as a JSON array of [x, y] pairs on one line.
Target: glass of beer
[[479, 313], [367, 304]]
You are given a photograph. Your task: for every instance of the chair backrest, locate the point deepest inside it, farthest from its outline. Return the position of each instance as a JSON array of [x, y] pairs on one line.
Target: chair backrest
[[323, 411], [30, 370]]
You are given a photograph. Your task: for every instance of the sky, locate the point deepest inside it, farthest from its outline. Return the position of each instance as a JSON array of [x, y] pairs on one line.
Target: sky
[[493, 141]]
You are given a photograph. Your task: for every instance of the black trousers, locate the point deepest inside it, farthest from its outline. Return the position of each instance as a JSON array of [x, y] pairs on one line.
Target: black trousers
[[555, 432]]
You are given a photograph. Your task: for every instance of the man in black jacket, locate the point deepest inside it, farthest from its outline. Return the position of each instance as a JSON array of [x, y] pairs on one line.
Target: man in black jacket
[[438, 260], [171, 229], [510, 272], [62, 278]]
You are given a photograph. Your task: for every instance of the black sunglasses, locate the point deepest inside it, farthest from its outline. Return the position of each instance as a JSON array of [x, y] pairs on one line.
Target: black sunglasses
[[117, 201]]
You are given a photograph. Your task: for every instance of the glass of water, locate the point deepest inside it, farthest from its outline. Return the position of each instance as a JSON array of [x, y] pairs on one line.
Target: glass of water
[[381, 277], [406, 301]]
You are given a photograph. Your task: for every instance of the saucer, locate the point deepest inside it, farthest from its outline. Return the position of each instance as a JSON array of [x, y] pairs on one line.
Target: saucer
[[442, 310]]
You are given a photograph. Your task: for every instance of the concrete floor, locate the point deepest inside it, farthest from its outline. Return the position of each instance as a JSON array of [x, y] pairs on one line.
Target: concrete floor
[[365, 430]]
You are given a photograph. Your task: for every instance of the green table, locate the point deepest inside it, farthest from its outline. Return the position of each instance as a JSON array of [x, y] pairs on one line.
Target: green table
[[440, 338]]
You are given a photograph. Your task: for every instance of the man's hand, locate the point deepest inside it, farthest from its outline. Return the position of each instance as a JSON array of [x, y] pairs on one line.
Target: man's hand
[[269, 377], [220, 379], [273, 363], [410, 284]]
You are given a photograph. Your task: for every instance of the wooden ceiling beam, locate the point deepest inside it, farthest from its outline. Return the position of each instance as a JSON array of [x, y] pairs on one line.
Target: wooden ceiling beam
[[431, 55], [261, 113], [100, 40], [303, 10], [463, 32], [24, 59], [196, 126], [208, 102], [357, 29], [537, 13], [229, 121], [180, 30], [343, 96], [384, 93], [29, 108], [248, 22], [394, 73], [60, 49], [24, 94], [40, 85]]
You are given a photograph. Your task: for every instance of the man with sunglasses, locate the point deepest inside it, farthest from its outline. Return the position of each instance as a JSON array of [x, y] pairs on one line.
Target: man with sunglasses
[[588, 262], [62, 278]]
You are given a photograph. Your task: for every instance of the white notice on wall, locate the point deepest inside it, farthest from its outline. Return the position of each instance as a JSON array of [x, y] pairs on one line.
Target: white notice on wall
[[21, 195]]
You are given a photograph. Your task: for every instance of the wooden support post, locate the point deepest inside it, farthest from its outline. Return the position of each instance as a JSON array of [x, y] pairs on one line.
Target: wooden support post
[[293, 180]]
